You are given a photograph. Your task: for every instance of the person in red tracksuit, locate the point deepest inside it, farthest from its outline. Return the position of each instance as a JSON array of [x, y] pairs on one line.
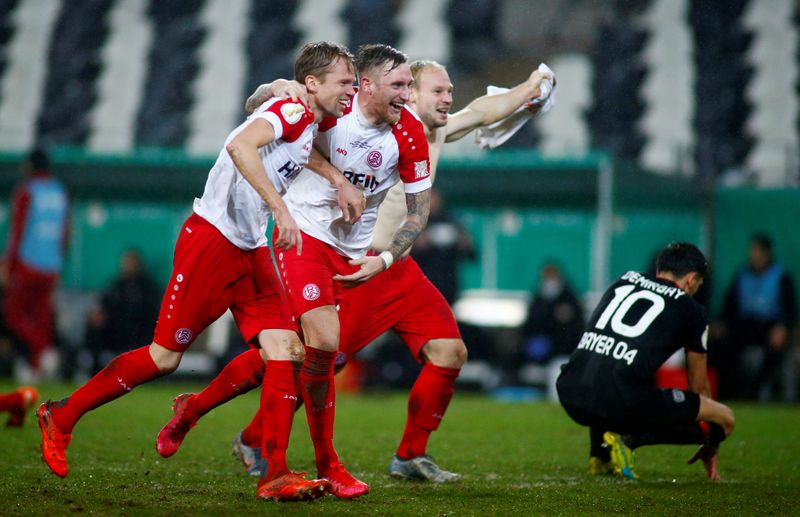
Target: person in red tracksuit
[[35, 254]]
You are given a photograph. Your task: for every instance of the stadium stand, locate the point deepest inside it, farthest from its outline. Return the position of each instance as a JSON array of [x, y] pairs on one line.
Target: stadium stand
[[221, 75], [475, 38], [360, 17], [271, 42], [25, 72], [771, 91], [6, 30], [663, 81], [310, 12], [73, 67], [617, 107], [163, 119], [121, 83], [722, 76], [424, 31], [667, 89], [567, 133]]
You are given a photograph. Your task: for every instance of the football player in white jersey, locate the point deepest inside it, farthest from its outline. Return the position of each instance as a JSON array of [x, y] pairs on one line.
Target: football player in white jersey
[[222, 262], [401, 299], [377, 143]]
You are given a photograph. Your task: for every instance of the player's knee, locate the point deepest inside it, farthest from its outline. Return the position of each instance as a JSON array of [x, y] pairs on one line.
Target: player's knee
[[459, 354], [322, 338], [325, 340], [166, 360], [281, 345], [447, 353], [321, 328], [729, 421]]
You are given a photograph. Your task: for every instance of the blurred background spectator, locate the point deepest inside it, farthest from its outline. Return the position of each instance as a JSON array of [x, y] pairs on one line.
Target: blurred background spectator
[[756, 325], [441, 246], [34, 256], [551, 331], [126, 314], [554, 323]]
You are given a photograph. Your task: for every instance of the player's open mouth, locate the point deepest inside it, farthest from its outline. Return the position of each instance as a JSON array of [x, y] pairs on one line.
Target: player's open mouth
[[443, 111], [397, 106]]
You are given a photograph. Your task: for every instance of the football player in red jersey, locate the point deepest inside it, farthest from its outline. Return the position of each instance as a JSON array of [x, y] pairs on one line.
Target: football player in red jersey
[[222, 261]]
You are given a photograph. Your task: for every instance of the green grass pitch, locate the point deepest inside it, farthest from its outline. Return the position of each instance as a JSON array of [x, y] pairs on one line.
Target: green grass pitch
[[517, 459]]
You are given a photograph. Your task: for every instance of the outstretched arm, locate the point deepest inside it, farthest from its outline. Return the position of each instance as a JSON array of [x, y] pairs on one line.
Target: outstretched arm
[[418, 205], [281, 88], [243, 150], [488, 109]]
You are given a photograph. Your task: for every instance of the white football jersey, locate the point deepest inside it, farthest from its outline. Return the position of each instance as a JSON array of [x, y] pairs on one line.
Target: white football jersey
[[374, 158], [229, 202]]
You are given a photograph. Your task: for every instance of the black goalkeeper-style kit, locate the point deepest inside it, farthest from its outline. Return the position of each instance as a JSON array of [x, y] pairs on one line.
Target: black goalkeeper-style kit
[[609, 380]]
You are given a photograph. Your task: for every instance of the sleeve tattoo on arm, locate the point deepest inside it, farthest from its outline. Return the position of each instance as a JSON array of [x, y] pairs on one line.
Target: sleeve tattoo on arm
[[419, 205]]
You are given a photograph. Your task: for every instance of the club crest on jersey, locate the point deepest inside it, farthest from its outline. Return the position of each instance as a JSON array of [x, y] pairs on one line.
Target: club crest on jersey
[[311, 292], [421, 169], [374, 159], [183, 336], [292, 112]]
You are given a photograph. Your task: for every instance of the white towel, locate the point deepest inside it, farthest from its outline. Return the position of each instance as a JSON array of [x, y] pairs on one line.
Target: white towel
[[498, 133]]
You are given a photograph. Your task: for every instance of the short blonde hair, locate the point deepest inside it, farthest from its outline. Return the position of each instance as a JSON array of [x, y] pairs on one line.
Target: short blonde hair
[[420, 65]]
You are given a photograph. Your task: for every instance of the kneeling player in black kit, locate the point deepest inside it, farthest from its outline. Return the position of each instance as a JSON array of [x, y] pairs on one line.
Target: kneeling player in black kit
[[609, 382]]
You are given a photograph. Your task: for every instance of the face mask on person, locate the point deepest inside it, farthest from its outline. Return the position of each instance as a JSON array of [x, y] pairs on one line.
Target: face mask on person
[[551, 288]]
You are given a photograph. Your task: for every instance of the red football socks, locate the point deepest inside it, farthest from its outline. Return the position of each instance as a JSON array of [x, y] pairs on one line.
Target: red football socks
[[427, 404], [123, 373], [278, 400], [251, 435], [244, 373], [317, 389]]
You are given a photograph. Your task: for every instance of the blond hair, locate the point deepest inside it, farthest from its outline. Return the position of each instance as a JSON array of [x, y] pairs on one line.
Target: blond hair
[[420, 65]]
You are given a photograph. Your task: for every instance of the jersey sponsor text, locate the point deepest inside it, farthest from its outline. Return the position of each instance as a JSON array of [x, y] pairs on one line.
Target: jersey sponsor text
[[607, 346]]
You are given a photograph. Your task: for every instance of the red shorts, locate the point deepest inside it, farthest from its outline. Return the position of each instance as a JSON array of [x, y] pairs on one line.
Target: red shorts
[[402, 299], [209, 276], [308, 277]]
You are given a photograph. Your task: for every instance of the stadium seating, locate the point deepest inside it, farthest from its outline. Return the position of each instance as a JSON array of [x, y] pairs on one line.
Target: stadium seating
[[177, 33], [474, 33], [73, 67], [271, 42], [360, 17], [6, 30], [119, 87], [667, 89], [617, 106], [722, 77], [686, 85], [772, 89]]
